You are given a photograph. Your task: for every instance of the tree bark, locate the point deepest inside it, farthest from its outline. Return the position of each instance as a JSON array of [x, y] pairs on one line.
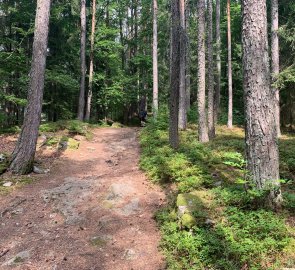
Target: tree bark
[[24, 153], [275, 59], [182, 83], [261, 136], [230, 80], [218, 64], [155, 60], [81, 108], [211, 122], [89, 97], [174, 74], [202, 119], [187, 56]]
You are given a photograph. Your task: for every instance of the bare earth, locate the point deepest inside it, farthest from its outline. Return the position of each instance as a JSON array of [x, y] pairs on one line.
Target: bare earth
[[93, 211]]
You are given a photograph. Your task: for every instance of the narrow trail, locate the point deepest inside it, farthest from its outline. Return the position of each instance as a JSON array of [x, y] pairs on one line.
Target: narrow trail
[[93, 211]]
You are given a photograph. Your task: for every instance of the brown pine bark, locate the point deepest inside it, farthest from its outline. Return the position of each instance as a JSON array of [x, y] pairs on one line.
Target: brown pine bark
[[261, 136], [275, 59], [89, 97], [230, 80], [24, 153], [202, 118], [81, 107], [155, 60], [182, 83], [187, 56], [174, 74], [211, 122], [218, 64]]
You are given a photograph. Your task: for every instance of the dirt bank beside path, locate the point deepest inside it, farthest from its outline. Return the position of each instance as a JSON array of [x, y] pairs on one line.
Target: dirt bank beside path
[[93, 211]]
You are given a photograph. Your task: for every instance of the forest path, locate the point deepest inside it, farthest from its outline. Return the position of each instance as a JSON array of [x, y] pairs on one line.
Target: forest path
[[93, 211]]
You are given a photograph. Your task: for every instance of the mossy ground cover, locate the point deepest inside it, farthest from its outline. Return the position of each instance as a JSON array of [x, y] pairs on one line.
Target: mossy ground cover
[[231, 229]]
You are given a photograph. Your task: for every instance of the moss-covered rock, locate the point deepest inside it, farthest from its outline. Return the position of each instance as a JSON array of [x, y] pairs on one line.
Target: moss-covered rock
[[193, 207], [117, 125], [73, 144], [188, 220]]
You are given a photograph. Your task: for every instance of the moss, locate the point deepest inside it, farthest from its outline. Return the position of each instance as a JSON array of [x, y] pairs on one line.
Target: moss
[[25, 180], [52, 141], [89, 136], [196, 200], [107, 204], [188, 220], [18, 259], [98, 242], [73, 144], [117, 125], [3, 167], [173, 215]]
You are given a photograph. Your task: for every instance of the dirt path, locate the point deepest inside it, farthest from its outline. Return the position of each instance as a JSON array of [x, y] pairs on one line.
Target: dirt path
[[93, 211]]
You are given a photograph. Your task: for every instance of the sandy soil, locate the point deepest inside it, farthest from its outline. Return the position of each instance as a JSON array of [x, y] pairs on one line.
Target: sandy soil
[[94, 210]]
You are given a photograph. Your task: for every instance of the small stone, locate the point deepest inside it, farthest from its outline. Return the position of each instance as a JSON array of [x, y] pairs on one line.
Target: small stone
[[181, 210], [7, 184], [217, 184], [129, 254], [2, 158], [20, 257], [210, 222], [38, 170]]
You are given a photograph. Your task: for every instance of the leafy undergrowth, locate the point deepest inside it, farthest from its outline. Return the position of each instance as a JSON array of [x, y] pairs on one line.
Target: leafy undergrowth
[[230, 229], [72, 126]]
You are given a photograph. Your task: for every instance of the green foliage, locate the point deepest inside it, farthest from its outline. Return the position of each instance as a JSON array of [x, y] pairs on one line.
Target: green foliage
[[234, 159], [244, 234], [289, 201], [73, 126], [162, 163], [240, 239]]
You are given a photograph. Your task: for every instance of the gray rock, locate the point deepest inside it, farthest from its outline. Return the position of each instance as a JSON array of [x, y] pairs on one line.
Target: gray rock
[[131, 208], [63, 145], [181, 210], [210, 222], [19, 258], [119, 191], [218, 184], [38, 170], [68, 195], [2, 158], [18, 211], [129, 254]]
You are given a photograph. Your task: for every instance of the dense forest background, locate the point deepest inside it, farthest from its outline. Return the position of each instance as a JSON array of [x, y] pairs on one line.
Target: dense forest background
[[122, 79]]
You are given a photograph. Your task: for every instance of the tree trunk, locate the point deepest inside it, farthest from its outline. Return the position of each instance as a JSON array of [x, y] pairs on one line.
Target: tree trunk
[[218, 64], [230, 80], [24, 152], [261, 137], [187, 56], [155, 60], [83, 61], [89, 97], [211, 122], [275, 59], [202, 119], [182, 83], [175, 74]]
